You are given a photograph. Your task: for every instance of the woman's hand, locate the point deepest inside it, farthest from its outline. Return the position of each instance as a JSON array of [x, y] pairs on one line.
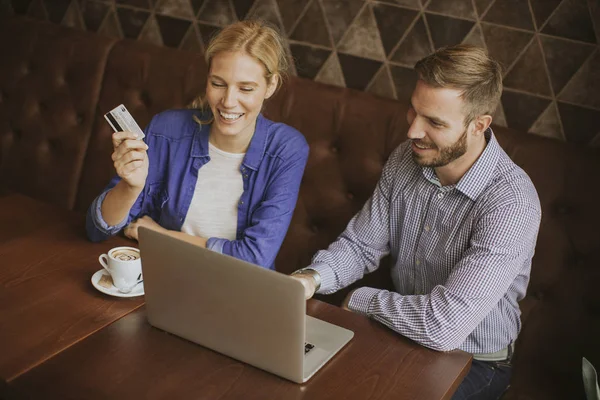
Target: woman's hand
[[130, 159], [131, 230]]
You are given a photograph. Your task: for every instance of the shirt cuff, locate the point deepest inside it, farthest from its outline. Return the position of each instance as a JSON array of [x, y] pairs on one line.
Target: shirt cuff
[[215, 244], [328, 278], [361, 299], [100, 222]]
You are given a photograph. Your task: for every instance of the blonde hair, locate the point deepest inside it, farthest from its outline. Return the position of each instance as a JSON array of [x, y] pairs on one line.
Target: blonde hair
[[254, 38], [469, 69]]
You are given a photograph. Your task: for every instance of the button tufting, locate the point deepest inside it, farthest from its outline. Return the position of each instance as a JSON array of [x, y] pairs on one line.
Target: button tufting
[[145, 97], [314, 228], [573, 259], [79, 118], [592, 308], [335, 149], [44, 147], [7, 139], [67, 77], [563, 209], [349, 196], [54, 144], [539, 295]]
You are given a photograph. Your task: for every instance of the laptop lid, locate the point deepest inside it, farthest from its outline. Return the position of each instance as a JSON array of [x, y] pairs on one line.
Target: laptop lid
[[236, 308]]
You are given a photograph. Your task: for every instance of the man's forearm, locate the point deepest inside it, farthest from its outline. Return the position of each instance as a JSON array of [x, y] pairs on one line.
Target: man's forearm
[[118, 203]]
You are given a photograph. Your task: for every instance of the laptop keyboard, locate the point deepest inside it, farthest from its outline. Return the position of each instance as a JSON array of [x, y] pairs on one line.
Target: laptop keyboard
[[308, 347]]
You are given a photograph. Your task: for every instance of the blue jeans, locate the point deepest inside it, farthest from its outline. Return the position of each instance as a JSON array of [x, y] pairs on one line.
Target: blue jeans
[[487, 380]]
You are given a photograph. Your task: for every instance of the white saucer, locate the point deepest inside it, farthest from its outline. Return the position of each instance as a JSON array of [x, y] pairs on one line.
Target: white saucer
[[113, 291]]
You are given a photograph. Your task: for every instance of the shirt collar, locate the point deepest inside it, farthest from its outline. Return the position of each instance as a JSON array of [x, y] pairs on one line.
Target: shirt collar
[[255, 152], [478, 176], [258, 144], [200, 141]]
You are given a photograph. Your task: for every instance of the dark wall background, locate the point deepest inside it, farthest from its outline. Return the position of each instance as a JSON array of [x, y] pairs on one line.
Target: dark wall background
[[549, 48]]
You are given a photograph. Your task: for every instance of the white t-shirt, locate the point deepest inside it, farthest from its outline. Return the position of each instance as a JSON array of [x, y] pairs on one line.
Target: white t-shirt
[[213, 211]]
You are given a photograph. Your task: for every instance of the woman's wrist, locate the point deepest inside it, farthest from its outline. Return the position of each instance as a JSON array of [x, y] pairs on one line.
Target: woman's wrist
[[132, 191], [197, 240]]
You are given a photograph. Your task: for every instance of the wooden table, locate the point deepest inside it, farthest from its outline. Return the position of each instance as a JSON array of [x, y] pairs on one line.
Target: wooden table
[[21, 215], [130, 359], [47, 302], [61, 339]]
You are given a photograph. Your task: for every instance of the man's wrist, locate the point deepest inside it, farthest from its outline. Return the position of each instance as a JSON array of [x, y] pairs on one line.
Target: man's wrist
[[312, 273]]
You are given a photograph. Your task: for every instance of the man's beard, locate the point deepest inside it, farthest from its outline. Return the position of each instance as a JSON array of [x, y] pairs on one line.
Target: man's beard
[[446, 154]]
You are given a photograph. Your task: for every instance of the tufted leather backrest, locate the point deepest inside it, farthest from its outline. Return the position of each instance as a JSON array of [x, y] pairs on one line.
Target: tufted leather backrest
[[350, 135], [147, 79], [561, 312], [50, 79]]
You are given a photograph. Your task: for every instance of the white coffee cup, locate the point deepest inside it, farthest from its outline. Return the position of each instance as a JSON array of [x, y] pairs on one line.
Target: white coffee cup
[[124, 264]]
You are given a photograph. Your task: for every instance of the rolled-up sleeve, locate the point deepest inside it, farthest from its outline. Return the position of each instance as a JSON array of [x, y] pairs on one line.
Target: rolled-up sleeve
[[96, 227], [215, 244]]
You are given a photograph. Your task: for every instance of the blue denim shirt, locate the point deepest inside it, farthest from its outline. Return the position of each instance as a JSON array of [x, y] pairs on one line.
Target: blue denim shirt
[[178, 147]]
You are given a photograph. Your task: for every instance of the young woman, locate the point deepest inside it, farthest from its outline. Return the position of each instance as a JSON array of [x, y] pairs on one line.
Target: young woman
[[221, 175]]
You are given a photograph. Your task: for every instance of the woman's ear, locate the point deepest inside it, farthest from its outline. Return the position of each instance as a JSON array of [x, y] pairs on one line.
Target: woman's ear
[[272, 86]]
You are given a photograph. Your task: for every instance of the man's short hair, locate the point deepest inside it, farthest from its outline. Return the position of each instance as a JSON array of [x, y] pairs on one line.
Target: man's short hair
[[466, 68]]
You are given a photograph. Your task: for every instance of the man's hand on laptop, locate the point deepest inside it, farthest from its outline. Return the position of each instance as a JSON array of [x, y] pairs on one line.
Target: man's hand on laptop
[[308, 281]]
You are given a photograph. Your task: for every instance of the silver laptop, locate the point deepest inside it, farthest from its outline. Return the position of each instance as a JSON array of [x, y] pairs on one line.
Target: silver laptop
[[246, 312]]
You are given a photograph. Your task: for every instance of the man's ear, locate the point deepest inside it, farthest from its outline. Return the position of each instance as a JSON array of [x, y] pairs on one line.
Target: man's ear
[[481, 123], [272, 86]]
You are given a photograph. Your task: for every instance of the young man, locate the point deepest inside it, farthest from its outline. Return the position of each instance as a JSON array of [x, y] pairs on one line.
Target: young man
[[459, 219]]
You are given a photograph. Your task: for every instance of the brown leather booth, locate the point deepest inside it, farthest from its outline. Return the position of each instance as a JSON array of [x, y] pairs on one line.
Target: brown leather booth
[[56, 83]]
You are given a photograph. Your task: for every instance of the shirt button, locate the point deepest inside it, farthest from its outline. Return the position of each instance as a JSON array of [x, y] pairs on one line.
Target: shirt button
[[241, 202], [418, 262], [427, 228], [440, 195], [245, 176]]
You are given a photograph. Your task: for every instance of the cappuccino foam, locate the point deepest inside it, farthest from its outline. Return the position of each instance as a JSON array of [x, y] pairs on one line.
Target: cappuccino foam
[[125, 255]]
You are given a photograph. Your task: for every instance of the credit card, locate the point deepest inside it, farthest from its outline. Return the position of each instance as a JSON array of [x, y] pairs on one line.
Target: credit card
[[121, 120]]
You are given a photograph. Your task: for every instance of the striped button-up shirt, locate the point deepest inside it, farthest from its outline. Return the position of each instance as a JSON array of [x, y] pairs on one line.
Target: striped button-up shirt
[[461, 254]]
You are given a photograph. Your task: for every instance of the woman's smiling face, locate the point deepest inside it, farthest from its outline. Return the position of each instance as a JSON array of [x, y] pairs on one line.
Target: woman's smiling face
[[235, 92]]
